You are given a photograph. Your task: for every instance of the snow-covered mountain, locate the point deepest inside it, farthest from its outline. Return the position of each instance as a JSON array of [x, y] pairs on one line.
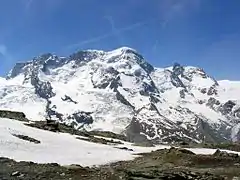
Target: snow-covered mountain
[[120, 91]]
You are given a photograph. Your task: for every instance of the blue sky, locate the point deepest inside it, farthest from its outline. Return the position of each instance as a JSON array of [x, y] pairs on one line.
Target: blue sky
[[203, 33]]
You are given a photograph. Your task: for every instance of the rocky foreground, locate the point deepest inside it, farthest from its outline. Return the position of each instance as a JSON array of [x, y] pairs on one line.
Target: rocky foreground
[[179, 164]]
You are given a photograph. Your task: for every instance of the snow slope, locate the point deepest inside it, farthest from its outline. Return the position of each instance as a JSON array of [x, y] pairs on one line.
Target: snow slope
[[60, 148], [63, 148]]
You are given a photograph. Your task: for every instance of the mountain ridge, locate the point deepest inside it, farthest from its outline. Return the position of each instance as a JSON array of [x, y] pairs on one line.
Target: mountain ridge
[[120, 91]]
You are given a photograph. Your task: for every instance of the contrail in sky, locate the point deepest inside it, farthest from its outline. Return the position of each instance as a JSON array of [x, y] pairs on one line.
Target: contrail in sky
[[114, 29], [28, 4], [104, 36]]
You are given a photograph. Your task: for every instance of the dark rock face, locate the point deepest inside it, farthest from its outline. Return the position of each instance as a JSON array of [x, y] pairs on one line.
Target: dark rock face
[[176, 80], [154, 99], [27, 138], [82, 56], [236, 113], [68, 99], [182, 93], [43, 89], [237, 136], [156, 130], [204, 90], [51, 112], [112, 71], [212, 91], [51, 62], [18, 69], [147, 89], [210, 134], [82, 117], [177, 69], [43, 63], [13, 115], [140, 60], [51, 125], [115, 83], [212, 101], [124, 148], [107, 77], [200, 72], [138, 73], [133, 132], [122, 99], [227, 107]]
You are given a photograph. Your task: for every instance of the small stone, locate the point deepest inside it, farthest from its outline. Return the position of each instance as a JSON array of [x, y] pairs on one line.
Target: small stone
[[62, 174], [16, 173], [22, 175]]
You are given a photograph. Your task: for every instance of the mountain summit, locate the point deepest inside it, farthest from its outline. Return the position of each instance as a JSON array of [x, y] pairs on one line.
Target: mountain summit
[[120, 91]]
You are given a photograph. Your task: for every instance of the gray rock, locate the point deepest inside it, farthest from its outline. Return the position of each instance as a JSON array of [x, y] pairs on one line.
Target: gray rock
[[16, 173], [133, 133], [177, 69], [227, 107], [212, 91], [69, 99], [81, 118], [122, 99], [43, 89], [140, 60], [86, 56], [13, 115], [204, 90], [212, 102], [27, 138]]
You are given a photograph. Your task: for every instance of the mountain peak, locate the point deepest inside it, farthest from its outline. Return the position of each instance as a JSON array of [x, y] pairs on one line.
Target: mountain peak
[[118, 87], [126, 49], [177, 69]]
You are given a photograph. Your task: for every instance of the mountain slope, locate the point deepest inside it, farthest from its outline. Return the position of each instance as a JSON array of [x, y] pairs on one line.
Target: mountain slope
[[120, 91]]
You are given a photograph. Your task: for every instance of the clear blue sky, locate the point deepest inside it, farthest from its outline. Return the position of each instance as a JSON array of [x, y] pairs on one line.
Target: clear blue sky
[[203, 33]]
